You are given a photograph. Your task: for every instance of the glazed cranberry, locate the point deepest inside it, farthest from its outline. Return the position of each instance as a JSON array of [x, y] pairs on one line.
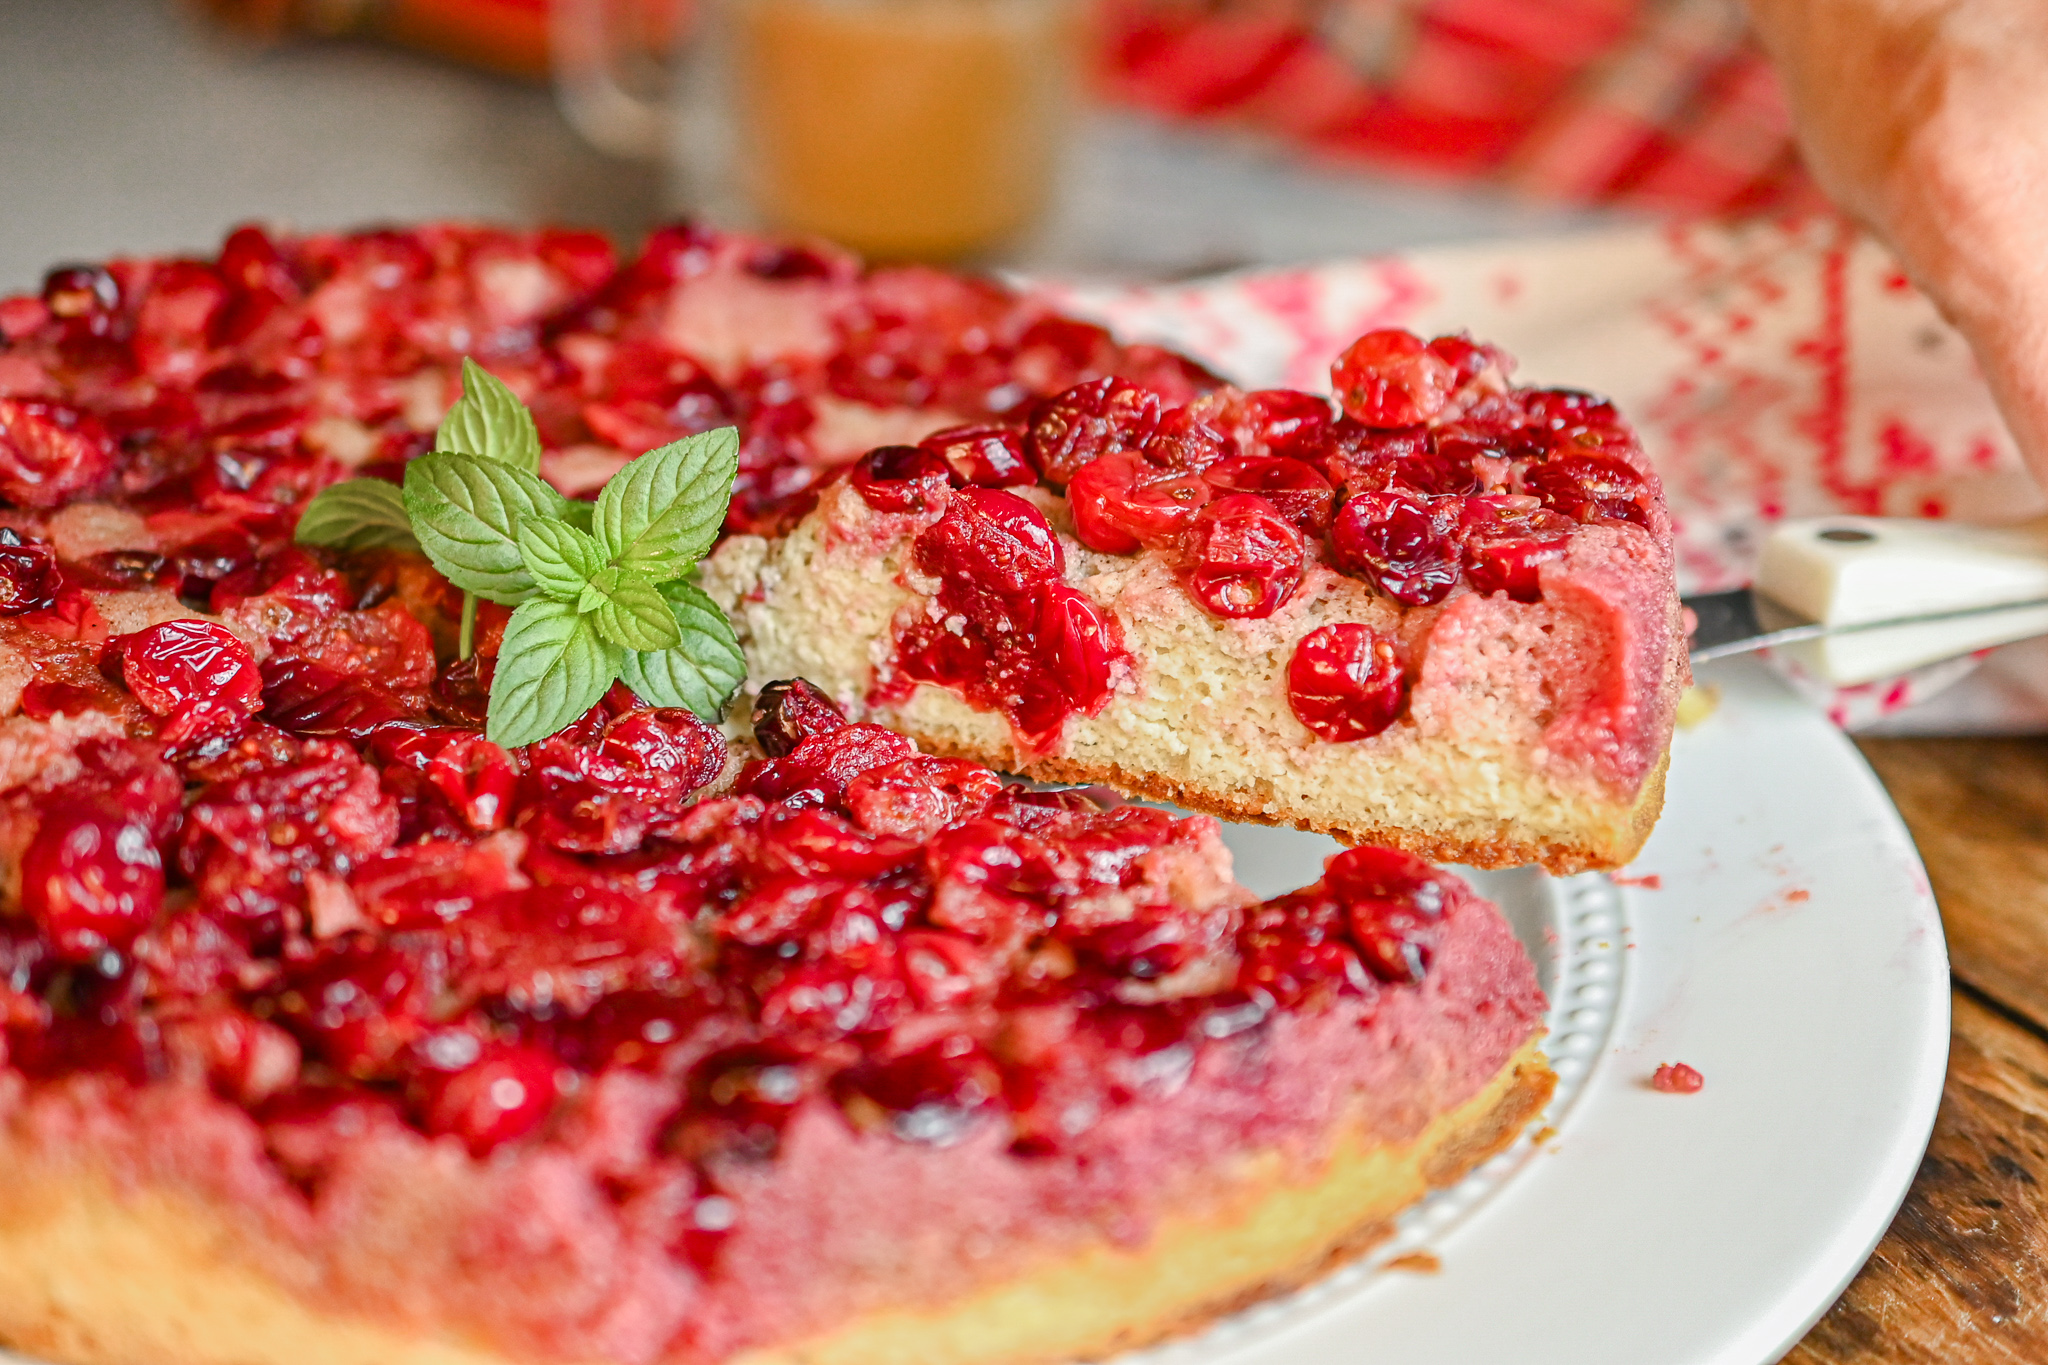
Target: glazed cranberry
[[1403, 545], [211, 559], [503, 1092], [119, 570], [1122, 503], [1568, 411], [1506, 541], [667, 742], [785, 263], [1445, 467], [1389, 378], [1395, 903], [80, 291], [1245, 558], [790, 711], [91, 880], [993, 543], [1469, 358], [50, 452], [817, 771], [1089, 421], [308, 698], [918, 796], [28, 574], [983, 456], [1295, 489], [1288, 423], [933, 1096], [1080, 644], [1296, 946], [1590, 488], [183, 661], [1185, 441], [1346, 682], [359, 1003], [902, 479]]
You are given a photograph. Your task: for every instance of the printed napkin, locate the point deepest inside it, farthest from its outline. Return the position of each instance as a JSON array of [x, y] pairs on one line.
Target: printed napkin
[[1775, 369]]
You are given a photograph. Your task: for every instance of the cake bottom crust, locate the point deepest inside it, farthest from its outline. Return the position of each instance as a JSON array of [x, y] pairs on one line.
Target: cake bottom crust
[[94, 1275]]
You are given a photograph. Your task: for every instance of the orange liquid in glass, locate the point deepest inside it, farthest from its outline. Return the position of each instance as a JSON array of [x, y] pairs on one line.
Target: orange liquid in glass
[[903, 128]]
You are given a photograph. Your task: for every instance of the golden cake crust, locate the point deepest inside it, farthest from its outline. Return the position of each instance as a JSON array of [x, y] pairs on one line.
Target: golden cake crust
[[94, 1272]]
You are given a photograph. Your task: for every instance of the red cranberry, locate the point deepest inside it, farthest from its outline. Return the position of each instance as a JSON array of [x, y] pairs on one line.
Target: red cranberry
[[1184, 441], [360, 1003], [1121, 503], [1676, 1078], [1590, 488], [183, 661], [28, 574], [1389, 378], [1468, 357], [1395, 903], [1445, 467], [666, 742], [1403, 545], [1506, 541], [790, 711], [1246, 558], [1088, 421], [917, 797], [984, 456], [993, 543], [1345, 682], [50, 453], [1080, 644], [91, 880], [1288, 423], [503, 1092], [1295, 489], [1295, 947], [817, 771], [85, 294], [933, 1096], [902, 479]]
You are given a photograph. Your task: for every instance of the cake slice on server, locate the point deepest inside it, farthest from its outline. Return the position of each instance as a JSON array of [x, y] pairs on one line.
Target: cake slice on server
[[1439, 616]]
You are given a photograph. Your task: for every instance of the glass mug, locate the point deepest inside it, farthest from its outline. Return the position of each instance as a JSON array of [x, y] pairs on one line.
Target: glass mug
[[906, 129]]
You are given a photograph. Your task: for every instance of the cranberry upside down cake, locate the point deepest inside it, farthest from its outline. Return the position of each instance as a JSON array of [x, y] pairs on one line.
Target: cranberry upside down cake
[[333, 1031]]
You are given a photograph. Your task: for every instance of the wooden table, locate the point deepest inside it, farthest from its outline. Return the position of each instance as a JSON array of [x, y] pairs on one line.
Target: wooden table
[[1962, 1277]]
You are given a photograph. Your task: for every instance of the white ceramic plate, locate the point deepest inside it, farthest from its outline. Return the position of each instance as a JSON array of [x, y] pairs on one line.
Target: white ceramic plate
[[1791, 952]]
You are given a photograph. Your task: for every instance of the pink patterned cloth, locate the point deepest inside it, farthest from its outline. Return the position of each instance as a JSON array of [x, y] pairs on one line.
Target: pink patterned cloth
[[1658, 103], [1774, 369]]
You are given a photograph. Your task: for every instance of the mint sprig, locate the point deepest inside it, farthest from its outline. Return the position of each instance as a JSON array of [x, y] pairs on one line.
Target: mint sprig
[[599, 592]]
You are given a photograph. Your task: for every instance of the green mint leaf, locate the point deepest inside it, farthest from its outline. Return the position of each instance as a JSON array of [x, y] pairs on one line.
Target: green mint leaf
[[466, 512], [552, 667], [703, 671], [578, 513], [356, 514], [561, 558], [490, 422], [659, 514], [634, 615]]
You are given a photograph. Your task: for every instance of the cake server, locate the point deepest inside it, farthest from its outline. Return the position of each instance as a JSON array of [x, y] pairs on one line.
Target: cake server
[[1855, 599]]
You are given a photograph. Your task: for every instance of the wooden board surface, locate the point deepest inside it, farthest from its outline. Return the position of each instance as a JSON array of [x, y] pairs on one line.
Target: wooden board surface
[[1962, 1276]]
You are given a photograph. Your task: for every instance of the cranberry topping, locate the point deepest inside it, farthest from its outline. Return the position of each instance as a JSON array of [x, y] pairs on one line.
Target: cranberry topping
[[1506, 541], [484, 1093], [29, 578], [983, 456], [1007, 632], [902, 479], [1346, 682], [1403, 545], [1089, 421], [1121, 502], [1296, 491], [1676, 1078], [1287, 423], [91, 879], [1245, 558], [790, 711], [179, 662], [1390, 378], [1395, 903], [50, 453], [1590, 488]]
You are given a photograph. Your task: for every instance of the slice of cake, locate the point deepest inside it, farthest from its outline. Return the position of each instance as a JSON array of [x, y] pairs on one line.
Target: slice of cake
[[1442, 617], [383, 1046]]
